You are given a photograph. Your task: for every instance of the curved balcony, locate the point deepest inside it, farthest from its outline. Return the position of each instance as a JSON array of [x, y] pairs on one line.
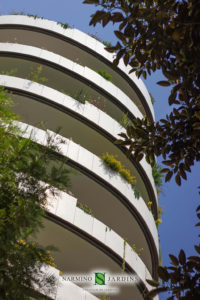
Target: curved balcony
[[75, 45], [134, 211], [62, 72], [94, 118], [66, 222]]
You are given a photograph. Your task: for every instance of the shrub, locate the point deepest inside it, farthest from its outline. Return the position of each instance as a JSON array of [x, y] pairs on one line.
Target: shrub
[[64, 25], [124, 122], [116, 166], [105, 75], [11, 72], [137, 193], [79, 95], [85, 208], [107, 44], [35, 75], [157, 175]]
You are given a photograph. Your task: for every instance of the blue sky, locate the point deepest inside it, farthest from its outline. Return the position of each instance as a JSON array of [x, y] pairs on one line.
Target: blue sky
[[177, 229]]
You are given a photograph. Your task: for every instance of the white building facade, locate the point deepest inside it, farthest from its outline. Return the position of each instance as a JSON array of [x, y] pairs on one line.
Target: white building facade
[[47, 68]]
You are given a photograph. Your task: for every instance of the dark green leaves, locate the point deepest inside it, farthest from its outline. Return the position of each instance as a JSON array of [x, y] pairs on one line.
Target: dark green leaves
[[182, 258], [174, 51], [91, 1], [153, 282], [163, 273], [174, 260], [164, 83]]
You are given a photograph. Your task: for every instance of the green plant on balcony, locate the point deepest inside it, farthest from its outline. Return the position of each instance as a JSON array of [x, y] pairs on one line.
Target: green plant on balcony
[[35, 75], [22, 13], [157, 176], [80, 95], [124, 122], [136, 191], [158, 221], [105, 75], [11, 72], [152, 98], [107, 44], [64, 25], [108, 228], [85, 208], [34, 16], [137, 250], [116, 166]]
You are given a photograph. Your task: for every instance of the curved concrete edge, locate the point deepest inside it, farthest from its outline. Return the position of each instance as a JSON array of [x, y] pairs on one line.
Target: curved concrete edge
[[81, 38], [88, 161], [64, 206], [80, 71], [63, 288], [86, 110]]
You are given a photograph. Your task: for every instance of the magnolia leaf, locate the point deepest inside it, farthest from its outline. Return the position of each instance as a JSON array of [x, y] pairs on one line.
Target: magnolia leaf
[[168, 176], [164, 83], [174, 260], [195, 259], [152, 282], [117, 17], [163, 274], [182, 257], [178, 179], [122, 134], [120, 35], [165, 170], [91, 1]]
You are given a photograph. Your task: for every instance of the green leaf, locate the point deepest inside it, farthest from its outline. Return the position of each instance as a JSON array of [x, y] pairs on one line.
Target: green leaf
[[178, 179], [91, 1], [168, 176], [120, 35], [182, 257], [174, 260], [152, 282], [164, 83], [163, 273]]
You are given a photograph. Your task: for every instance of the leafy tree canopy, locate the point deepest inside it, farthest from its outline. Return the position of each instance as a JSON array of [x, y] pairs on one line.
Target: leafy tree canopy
[[165, 35], [182, 279], [23, 165]]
